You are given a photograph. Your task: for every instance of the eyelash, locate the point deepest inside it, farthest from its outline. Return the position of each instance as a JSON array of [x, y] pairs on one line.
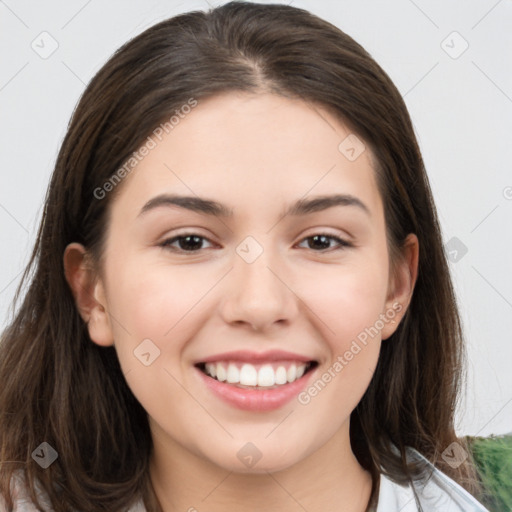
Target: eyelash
[[166, 244]]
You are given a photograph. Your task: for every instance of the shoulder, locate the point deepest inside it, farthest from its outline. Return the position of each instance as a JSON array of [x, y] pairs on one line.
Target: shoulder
[[21, 496], [138, 507], [436, 493], [23, 503]]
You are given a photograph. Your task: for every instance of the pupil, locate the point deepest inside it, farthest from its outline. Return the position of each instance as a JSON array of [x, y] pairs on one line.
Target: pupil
[[322, 237], [191, 245]]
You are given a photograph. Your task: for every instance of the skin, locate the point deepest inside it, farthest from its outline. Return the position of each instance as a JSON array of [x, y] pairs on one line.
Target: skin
[[257, 154]]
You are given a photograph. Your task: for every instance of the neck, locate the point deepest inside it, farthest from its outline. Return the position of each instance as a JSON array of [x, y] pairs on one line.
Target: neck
[[329, 480]]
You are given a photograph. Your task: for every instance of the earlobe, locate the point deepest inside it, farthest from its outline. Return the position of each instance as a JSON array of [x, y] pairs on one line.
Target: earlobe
[[88, 293], [402, 285]]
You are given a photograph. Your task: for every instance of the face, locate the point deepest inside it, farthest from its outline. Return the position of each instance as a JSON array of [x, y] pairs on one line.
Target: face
[[286, 312]]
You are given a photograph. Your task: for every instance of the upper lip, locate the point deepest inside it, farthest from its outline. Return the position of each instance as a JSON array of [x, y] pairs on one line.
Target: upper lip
[[256, 357]]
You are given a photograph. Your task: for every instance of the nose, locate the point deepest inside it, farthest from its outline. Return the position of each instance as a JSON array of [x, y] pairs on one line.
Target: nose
[[258, 294]]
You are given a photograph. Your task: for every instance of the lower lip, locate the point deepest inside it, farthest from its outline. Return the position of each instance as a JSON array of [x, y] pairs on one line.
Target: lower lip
[[254, 399]]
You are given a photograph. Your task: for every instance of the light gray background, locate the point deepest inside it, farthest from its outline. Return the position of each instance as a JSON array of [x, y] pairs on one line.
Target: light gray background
[[461, 109]]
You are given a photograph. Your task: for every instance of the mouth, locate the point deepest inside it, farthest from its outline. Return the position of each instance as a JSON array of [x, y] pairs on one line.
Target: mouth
[[256, 381], [257, 376]]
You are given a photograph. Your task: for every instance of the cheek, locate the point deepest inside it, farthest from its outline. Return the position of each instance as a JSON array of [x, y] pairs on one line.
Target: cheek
[[347, 300], [154, 301], [349, 306], [154, 310], [157, 309]]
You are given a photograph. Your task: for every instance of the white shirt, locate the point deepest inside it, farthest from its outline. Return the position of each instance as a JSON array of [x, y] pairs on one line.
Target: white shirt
[[436, 493]]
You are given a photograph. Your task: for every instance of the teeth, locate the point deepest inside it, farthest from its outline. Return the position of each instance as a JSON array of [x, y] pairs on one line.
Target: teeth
[[211, 369], [221, 372], [281, 375], [291, 374], [266, 376], [233, 374], [249, 375]]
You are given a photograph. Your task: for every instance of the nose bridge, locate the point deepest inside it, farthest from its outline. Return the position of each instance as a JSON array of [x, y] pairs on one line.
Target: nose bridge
[[258, 293], [253, 267]]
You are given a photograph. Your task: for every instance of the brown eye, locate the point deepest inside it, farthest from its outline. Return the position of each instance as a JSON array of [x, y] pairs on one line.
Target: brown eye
[[188, 242], [322, 242]]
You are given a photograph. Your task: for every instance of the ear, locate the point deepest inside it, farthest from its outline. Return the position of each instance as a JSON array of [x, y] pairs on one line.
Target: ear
[[89, 294], [401, 286]]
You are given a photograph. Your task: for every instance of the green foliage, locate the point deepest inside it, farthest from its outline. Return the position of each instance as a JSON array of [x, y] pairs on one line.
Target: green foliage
[[493, 460]]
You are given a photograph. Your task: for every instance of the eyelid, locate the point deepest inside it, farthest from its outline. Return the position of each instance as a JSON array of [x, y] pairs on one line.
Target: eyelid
[[340, 234]]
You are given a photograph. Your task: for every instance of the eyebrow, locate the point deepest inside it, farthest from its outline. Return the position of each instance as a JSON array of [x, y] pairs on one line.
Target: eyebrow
[[210, 207]]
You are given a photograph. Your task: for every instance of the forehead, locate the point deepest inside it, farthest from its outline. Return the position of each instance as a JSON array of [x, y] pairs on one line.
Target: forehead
[[254, 148]]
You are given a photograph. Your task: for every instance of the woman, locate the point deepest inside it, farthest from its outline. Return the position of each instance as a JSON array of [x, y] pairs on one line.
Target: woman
[[185, 343]]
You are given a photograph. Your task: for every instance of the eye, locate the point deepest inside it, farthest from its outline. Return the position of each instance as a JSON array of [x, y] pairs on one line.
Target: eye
[[192, 242], [188, 242], [322, 240]]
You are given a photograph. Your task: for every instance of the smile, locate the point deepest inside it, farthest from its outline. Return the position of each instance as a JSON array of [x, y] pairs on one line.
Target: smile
[[257, 376], [257, 386]]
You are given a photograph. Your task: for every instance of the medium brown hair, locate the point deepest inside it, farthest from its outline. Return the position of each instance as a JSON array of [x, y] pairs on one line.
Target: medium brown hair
[[60, 387]]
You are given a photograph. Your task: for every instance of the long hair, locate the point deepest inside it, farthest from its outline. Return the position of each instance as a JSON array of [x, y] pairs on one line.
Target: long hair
[[59, 387]]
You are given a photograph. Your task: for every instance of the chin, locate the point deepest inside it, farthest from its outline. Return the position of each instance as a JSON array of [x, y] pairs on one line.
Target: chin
[[261, 467], [250, 460]]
